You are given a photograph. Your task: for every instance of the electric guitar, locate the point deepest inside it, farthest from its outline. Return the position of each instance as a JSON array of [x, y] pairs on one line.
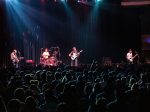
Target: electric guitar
[[132, 58], [15, 60], [75, 55]]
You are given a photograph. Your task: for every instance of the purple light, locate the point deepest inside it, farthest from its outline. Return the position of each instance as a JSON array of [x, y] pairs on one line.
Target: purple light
[[147, 40]]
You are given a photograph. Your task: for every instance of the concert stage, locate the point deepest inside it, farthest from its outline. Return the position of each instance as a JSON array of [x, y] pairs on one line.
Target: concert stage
[[100, 29]]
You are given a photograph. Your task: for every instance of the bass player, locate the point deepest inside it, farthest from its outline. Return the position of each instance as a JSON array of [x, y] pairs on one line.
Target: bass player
[[74, 54]]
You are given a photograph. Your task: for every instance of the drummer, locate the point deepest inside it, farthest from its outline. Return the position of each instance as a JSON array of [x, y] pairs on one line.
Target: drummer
[[46, 54]]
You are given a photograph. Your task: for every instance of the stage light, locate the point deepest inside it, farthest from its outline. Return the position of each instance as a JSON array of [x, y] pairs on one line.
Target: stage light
[[43, 1], [98, 0], [11, 1], [63, 0]]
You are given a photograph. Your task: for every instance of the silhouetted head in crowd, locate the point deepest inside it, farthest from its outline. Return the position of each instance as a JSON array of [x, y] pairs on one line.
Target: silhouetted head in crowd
[[34, 87], [59, 88], [28, 92], [19, 93], [131, 81], [49, 96], [30, 105], [97, 88], [135, 87]]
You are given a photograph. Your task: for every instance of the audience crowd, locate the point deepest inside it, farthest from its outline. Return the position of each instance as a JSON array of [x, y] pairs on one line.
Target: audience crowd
[[83, 89]]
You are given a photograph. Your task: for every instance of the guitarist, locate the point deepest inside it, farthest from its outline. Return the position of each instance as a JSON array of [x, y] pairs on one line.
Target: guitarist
[[74, 54], [129, 56], [14, 58]]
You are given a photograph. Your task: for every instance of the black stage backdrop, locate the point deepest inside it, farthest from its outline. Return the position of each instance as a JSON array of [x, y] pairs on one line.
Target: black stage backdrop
[[105, 31]]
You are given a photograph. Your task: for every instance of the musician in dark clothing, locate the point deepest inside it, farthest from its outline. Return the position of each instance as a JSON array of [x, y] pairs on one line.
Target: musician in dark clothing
[[14, 58], [74, 57], [74, 54]]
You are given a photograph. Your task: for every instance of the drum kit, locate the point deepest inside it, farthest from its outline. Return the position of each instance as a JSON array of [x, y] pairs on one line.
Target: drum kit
[[53, 59]]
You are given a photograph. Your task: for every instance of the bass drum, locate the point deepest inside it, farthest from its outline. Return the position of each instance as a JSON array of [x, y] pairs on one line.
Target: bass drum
[[44, 61], [52, 61]]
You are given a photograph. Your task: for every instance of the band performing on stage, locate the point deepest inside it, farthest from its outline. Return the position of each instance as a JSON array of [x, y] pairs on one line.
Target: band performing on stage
[[51, 57]]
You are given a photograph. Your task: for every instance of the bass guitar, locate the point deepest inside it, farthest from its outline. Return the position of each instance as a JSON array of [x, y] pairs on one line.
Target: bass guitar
[[75, 55]]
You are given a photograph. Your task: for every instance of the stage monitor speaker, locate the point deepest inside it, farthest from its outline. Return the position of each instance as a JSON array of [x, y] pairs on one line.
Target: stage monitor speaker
[[106, 61], [30, 63]]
